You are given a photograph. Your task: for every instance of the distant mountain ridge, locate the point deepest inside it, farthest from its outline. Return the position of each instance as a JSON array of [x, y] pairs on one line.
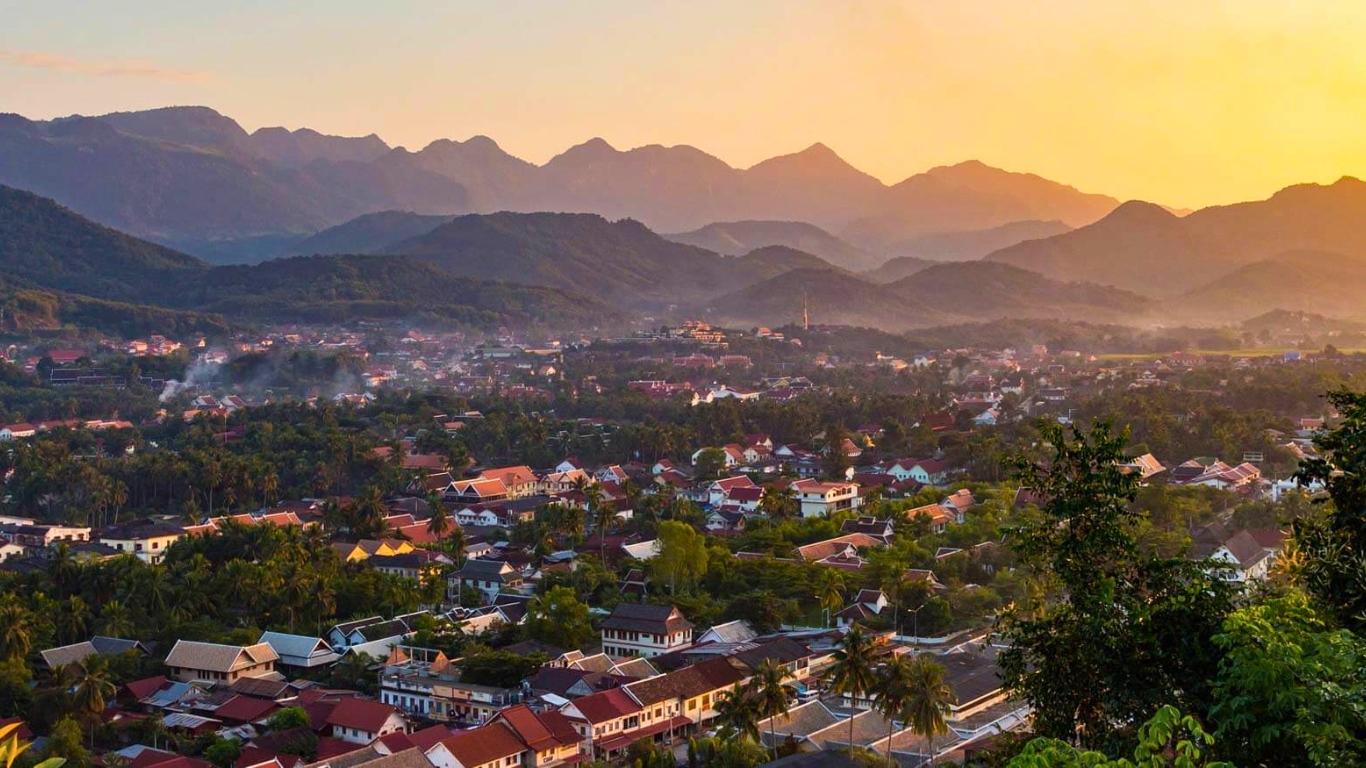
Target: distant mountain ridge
[[56, 264], [941, 294], [190, 174], [1144, 248], [973, 244], [734, 238]]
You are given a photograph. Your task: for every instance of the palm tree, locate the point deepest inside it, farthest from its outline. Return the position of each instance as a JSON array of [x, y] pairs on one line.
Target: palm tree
[[604, 514], [830, 591], [890, 698], [16, 629], [928, 697], [91, 686], [115, 620], [73, 619], [776, 503], [440, 521], [770, 693], [851, 674], [736, 710], [118, 496]]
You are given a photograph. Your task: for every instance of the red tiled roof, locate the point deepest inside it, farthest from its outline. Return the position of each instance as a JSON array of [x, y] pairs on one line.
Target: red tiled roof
[[485, 744], [245, 709], [361, 714], [329, 748], [141, 689], [605, 706], [427, 738]]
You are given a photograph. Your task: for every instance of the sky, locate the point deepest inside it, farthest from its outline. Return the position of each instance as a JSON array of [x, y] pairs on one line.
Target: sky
[[1185, 103]]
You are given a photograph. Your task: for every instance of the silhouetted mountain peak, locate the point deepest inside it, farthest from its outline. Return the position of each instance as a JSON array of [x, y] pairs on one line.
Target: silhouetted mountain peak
[[1139, 212]]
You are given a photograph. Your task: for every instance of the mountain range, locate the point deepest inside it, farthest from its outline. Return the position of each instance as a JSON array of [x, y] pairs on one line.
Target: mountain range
[[1144, 248], [191, 176], [58, 264]]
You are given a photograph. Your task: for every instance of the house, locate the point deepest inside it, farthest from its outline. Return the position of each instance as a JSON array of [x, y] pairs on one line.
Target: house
[[870, 526], [147, 540], [518, 481], [362, 721], [822, 499], [868, 603], [488, 576], [718, 491], [939, 516], [300, 651], [682, 698], [958, 504], [99, 644], [607, 722], [936, 472], [477, 491], [549, 737], [489, 746], [733, 454], [416, 565], [643, 629], [192, 661], [1145, 466], [732, 632]]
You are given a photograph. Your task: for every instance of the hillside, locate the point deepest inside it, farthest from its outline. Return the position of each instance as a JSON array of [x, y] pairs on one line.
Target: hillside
[[58, 265], [370, 233], [773, 260], [971, 196], [1324, 283], [832, 298], [345, 288], [973, 244], [897, 269], [47, 245], [733, 238], [494, 179], [621, 261], [300, 147], [26, 309], [985, 290], [1166, 255]]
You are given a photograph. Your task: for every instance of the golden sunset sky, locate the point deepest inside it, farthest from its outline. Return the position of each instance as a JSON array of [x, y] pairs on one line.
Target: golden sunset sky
[[1184, 103]]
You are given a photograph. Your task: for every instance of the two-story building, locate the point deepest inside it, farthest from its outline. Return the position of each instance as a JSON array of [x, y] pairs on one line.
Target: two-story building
[[147, 540], [821, 499], [192, 661], [646, 630], [488, 576]]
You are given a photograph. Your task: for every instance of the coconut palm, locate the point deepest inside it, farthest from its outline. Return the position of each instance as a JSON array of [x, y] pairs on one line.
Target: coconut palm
[[770, 693], [852, 674], [776, 503], [830, 590], [91, 686], [16, 630], [440, 521], [928, 697], [891, 694], [73, 619], [115, 620], [736, 710]]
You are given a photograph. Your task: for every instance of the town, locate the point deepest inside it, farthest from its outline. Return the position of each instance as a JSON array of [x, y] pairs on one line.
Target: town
[[381, 546]]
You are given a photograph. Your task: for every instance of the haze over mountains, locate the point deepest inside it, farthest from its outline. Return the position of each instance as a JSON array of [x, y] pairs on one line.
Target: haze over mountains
[[188, 175], [462, 228]]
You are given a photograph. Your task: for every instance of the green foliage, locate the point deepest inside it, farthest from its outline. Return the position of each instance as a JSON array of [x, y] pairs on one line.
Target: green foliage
[[682, 558], [1134, 630], [557, 617], [1167, 739], [1330, 559], [288, 717], [500, 669], [1291, 690], [67, 742], [223, 752]]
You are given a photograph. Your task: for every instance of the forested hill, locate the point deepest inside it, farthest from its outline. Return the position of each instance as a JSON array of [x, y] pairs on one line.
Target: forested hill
[[61, 267], [46, 244]]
